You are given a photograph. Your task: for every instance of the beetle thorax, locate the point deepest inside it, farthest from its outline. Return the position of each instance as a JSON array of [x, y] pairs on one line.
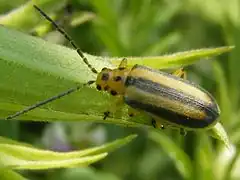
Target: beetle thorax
[[112, 80]]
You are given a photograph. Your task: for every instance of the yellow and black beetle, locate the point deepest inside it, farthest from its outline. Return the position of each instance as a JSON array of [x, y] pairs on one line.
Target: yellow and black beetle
[[169, 99]]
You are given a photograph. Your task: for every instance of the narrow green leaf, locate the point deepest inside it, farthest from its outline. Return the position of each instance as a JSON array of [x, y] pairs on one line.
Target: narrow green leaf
[[176, 59], [25, 16], [12, 162], [25, 157], [232, 165], [82, 17], [226, 163], [76, 20], [219, 133], [110, 146], [179, 157], [38, 154], [7, 174], [4, 140]]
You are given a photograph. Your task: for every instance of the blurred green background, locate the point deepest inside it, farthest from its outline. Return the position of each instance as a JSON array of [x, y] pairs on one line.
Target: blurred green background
[[144, 28]]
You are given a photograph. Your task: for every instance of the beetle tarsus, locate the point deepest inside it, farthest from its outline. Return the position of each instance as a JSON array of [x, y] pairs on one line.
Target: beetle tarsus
[[154, 124], [106, 114], [183, 132]]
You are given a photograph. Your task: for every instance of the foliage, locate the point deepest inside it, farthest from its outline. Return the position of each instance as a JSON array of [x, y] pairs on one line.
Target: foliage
[[32, 69]]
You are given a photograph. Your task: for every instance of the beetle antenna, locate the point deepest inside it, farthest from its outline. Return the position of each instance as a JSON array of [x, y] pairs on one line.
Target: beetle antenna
[[64, 33], [53, 98]]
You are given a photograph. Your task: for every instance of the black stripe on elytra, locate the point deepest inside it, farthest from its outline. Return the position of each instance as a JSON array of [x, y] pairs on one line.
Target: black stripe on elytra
[[170, 115], [137, 66], [171, 93]]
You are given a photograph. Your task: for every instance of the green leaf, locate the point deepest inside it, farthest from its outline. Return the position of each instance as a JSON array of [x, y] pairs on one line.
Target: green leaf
[[227, 163], [232, 165], [25, 157], [25, 16], [4, 140], [219, 133], [176, 59], [17, 163], [179, 157], [110, 146], [7, 174], [76, 20], [82, 17]]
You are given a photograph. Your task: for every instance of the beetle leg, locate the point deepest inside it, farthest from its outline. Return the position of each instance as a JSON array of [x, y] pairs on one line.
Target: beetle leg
[[154, 123], [114, 107], [183, 132], [180, 73], [106, 115], [157, 125], [123, 64]]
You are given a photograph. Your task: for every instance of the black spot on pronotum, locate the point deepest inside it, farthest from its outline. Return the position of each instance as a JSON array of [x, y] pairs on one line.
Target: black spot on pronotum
[[105, 76], [104, 68], [114, 93], [99, 87], [117, 78]]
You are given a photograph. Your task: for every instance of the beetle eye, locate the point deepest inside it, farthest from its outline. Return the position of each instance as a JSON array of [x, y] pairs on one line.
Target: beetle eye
[[105, 76], [99, 87]]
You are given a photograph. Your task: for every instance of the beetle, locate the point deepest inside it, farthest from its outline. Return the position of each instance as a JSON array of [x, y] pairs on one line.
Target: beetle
[[169, 99]]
